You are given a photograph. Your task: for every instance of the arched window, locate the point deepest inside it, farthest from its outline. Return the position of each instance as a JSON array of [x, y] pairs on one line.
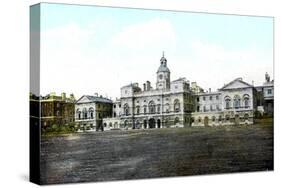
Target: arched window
[[137, 110], [236, 101], [176, 105], [227, 102], [220, 118], [85, 113], [158, 108], [213, 118], [151, 107], [91, 110], [78, 112], [246, 101], [199, 119], [126, 109], [167, 108], [144, 109]]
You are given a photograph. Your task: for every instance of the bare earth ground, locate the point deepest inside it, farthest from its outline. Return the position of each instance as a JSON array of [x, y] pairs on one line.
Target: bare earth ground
[[118, 155]]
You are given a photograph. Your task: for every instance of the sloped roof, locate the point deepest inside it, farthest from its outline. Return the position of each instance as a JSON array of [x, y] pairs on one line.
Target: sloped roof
[[237, 80], [94, 99]]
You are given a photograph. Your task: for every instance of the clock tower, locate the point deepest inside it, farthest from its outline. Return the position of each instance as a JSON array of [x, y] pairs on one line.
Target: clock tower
[[163, 75]]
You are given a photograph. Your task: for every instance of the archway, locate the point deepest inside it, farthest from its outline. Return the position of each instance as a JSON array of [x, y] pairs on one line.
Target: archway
[[145, 124], [177, 120], [151, 123], [158, 123], [137, 126], [206, 121]]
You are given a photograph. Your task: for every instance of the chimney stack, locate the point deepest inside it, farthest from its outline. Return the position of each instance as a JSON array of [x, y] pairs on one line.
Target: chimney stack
[[148, 85], [144, 87]]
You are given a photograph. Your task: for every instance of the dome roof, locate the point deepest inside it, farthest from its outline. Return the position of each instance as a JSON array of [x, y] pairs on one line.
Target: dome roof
[[163, 66]]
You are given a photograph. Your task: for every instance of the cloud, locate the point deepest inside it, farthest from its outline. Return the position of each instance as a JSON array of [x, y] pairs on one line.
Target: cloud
[[153, 33]]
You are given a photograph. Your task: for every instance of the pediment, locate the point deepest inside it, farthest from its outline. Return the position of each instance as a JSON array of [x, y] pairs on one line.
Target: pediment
[[235, 84], [83, 99]]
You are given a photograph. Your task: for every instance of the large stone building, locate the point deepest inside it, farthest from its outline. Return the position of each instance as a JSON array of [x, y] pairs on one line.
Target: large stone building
[[90, 111], [234, 103], [57, 110], [168, 105], [179, 104]]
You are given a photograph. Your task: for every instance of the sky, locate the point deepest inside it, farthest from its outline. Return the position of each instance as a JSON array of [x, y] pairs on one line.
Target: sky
[[88, 49]]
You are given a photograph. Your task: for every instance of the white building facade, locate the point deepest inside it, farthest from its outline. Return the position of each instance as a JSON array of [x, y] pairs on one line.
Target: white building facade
[[181, 104]]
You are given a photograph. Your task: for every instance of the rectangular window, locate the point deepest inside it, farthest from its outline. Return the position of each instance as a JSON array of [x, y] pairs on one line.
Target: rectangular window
[[204, 98], [211, 98], [269, 91], [217, 97]]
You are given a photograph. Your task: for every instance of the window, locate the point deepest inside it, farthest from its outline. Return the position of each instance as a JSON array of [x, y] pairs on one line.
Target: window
[[176, 87], [126, 91], [227, 102], [85, 113], [167, 108], [211, 108], [138, 109], [114, 106], [246, 102], [204, 98], [217, 107], [158, 108], [269, 91], [198, 99], [211, 98], [213, 118], [204, 109], [151, 107], [217, 97], [176, 105], [126, 109], [198, 108], [144, 109], [160, 76], [236, 101]]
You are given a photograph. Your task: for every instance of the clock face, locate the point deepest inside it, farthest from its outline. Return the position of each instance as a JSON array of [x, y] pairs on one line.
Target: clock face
[[160, 76]]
